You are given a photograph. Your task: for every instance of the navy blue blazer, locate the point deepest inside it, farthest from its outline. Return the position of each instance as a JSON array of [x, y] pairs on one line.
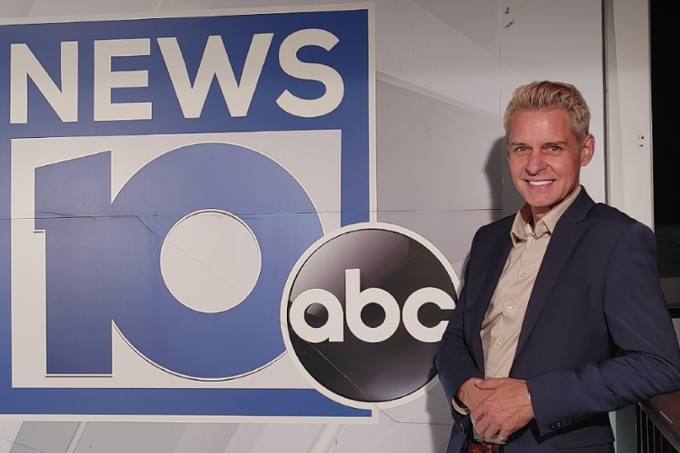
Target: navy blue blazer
[[596, 337]]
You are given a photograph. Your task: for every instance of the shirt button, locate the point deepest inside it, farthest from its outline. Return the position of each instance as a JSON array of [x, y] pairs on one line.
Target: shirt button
[[523, 275], [498, 342], [509, 308], [533, 239]]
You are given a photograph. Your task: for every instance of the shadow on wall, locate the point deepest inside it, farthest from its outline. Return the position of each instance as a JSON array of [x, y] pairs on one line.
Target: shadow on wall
[[511, 199], [499, 185], [506, 197]]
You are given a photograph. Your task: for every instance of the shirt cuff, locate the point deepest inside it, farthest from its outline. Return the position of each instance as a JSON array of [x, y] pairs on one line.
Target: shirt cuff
[[459, 407]]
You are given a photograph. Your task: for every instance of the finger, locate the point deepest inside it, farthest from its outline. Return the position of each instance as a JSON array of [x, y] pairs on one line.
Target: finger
[[477, 413], [503, 435], [487, 426], [481, 424], [488, 384], [487, 430], [491, 431]]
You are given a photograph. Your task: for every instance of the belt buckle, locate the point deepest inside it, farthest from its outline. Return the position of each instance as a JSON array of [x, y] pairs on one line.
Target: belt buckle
[[477, 446]]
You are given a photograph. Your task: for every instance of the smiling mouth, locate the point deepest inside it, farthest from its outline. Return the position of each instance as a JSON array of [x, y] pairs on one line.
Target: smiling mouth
[[539, 183]]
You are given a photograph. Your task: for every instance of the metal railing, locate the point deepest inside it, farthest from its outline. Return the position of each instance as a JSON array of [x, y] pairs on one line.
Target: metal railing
[[656, 432]]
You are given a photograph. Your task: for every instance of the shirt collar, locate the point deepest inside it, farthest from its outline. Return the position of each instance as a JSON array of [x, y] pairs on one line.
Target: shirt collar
[[521, 227]]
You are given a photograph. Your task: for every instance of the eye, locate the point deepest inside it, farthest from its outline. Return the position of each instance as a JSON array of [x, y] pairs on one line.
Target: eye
[[520, 149], [553, 148]]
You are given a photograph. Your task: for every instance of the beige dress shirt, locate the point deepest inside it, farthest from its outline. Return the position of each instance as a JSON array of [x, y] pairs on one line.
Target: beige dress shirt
[[503, 320]]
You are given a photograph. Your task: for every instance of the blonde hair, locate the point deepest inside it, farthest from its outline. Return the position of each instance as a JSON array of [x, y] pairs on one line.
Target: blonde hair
[[548, 95]]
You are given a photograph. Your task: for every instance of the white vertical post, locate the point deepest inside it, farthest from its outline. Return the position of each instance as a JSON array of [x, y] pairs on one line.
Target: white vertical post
[[629, 151]]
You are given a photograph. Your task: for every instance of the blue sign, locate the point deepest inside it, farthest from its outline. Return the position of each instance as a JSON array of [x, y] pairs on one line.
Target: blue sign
[[162, 177]]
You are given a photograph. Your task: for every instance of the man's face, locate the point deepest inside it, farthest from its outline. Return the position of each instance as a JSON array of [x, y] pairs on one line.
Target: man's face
[[545, 158]]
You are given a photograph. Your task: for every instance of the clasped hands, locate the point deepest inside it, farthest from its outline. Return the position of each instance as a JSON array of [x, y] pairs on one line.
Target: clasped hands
[[499, 407]]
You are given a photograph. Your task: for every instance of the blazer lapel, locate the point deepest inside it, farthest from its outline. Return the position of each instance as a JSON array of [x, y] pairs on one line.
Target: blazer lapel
[[562, 243]]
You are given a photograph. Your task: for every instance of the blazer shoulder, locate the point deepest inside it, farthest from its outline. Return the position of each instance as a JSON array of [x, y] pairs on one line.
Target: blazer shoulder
[[608, 225], [587, 214], [603, 215], [494, 229]]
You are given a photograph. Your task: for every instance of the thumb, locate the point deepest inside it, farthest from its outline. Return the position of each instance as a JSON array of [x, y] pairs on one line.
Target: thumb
[[488, 384]]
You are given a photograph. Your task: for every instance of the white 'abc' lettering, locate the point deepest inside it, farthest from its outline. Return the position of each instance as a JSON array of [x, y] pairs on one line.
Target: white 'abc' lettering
[[355, 301], [331, 330], [413, 304]]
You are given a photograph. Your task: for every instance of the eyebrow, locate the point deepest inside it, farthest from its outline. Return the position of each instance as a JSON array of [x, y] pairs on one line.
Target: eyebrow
[[562, 142]]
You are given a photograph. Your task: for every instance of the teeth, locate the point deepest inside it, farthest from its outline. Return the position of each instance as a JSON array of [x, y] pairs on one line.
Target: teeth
[[539, 183]]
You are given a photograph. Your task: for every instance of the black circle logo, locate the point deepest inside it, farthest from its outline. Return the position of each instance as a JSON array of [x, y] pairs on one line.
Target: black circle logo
[[364, 310]]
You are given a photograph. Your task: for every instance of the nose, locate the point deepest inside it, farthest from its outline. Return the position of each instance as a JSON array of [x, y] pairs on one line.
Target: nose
[[535, 163]]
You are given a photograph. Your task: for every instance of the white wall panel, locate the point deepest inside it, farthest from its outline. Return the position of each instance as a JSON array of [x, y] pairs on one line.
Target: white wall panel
[[205, 437], [483, 30], [562, 41], [131, 437], [430, 153], [8, 433], [16, 8], [246, 437], [47, 437], [84, 7], [300, 438]]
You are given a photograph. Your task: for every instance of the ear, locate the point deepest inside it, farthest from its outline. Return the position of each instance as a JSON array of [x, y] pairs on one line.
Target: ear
[[587, 150]]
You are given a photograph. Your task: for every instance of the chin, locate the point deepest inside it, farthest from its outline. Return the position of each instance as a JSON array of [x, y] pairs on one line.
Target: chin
[[541, 203]]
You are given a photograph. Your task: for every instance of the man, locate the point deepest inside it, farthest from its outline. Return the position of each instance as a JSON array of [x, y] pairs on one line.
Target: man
[[561, 318]]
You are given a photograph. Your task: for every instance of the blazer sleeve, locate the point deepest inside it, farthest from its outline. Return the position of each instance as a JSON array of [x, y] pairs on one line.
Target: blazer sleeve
[[639, 325], [454, 360]]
